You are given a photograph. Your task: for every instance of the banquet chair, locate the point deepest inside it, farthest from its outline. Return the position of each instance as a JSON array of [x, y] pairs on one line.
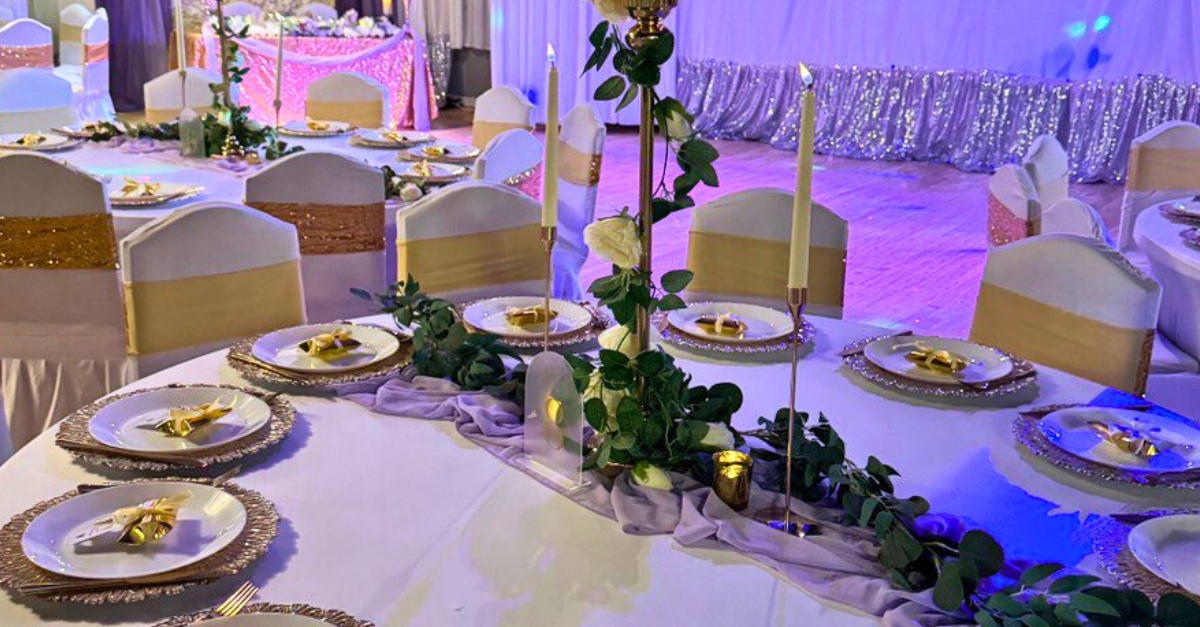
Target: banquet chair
[[337, 206], [474, 239], [204, 276], [71, 21], [738, 248], [6, 16], [26, 43], [318, 10], [1077, 218], [164, 97], [348, 97], [1164, 164], [499, 109], [62, 324], [1049, 168], [1071, 303], [580, 147], [242, 8], [34, 100], [90, 84], [513, 158], [1014, 209]]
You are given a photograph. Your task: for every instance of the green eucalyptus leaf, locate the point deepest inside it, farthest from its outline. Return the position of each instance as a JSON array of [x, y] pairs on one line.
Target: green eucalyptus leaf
[[1088, 604], [1071, 583], [1036, 574], [1006, 604], [596, 414], [1177, 610], [630, 95], [610, 89], [948, 592], [983, 550], [676, 281], [985, 619]]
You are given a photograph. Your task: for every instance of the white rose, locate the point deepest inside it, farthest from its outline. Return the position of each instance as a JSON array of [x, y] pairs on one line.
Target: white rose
[[648, 475], [621, 339], [678, 127], [615, 11], [410, 192], [718, 438], [616, 240]]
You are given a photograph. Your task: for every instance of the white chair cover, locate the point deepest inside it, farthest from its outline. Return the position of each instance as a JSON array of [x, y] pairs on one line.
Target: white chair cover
[[474, 239], [1164, 164], [164, 98], [1048, 166], [204, 276], [348, 97], [6, 16], [242, 8], [1071, 303], [71, 21], [580, 148], [1075, 217], [90, 84], [1014, 209], [738, 248], [337, 205], [34, 100], [509, 156], [62, 325], [500, 109], [26, 43], [318, 10]]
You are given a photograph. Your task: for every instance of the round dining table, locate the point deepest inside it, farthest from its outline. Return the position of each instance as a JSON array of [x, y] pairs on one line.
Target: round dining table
[[1176, 266], [402, 521]]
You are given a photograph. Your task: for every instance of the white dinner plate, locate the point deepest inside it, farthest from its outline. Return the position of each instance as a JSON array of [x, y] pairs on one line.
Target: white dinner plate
[[129, 424], [261, 620], [454, 152], [281, 348], [166, 193], [300, 128], [442, 172], [400, 139], [763, 324], [1167, 546], [488, 315], [208, 521], [1178, 442], [52, 142], [984, 364]]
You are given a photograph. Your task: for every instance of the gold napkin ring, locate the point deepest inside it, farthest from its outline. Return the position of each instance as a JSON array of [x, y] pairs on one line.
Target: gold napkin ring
[[943, 361]]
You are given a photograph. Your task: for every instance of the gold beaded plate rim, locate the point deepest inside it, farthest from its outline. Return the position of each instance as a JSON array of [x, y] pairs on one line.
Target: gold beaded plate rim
[[337, 618], [151, 201]]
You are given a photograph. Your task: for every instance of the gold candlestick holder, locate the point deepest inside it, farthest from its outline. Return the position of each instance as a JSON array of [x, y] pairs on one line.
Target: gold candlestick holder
[[731, 478], [549, 234]]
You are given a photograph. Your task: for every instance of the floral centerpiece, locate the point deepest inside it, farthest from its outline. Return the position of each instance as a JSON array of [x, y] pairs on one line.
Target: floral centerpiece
[[348, 25]]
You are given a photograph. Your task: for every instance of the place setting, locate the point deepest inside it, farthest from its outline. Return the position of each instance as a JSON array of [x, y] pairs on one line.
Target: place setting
[[938, 367], [321, 355], [267, 615], [422, 172], [1153, 552], [731, 328], [315, 128], [133, 541], [388, 139], [521, 321], [37, 142], [131, 193], [441, 152], [1184, 211]]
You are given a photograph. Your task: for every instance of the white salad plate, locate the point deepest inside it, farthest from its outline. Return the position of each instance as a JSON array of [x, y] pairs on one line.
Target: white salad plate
[[763, 324], [1167, 546]]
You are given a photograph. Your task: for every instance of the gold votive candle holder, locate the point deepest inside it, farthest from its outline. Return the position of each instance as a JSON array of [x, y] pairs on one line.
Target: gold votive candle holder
[[731, 478]]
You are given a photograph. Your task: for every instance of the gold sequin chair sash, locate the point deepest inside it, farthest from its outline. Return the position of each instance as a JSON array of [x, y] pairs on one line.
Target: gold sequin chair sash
[[462, 262], [158, 116], [13, 57], [750, 267], [331, 229], [95, 53], [482, 131], [366, 114], [78, 242]]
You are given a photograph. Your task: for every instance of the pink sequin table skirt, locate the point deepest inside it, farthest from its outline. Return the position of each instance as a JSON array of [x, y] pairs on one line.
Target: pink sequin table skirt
[[306, 59]]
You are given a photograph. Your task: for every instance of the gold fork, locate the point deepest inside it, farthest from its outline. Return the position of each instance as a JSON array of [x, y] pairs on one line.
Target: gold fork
[[237, 600]]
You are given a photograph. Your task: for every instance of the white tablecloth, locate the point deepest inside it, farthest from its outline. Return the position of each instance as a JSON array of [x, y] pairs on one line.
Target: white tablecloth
[[403, 522], [1177, 267]]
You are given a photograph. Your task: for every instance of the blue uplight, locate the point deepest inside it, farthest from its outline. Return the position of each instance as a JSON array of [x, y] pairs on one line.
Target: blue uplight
[[1101, 23], [1075, 30]]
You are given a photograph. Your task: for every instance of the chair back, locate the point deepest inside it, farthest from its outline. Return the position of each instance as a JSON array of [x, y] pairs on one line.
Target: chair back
[[1014, 210], [738, 248], [337, 206], [205, 276], [513, 158], [1164, 164], [318, 10], [71, 21], [240, 8], [1071, 303], [580, 149], [1075, 217], [473, 239], [500, 109], [34, 100], [6, 16], [348, 97], [164, 97], [1049, 167], [95, 53], [26, 43]]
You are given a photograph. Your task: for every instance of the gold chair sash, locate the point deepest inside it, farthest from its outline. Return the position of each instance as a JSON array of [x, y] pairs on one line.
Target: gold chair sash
[[1153, 168], [331, 229], [79, 242], [166, 315], [1114, 356], [747, 266], [458, 262], [483, 131], [13, 57], [70, 33], [367, 114], [159, 116], [578, 167], [95, 53]]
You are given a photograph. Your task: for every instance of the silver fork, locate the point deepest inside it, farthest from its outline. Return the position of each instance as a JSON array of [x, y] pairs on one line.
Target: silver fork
[[237, 600]]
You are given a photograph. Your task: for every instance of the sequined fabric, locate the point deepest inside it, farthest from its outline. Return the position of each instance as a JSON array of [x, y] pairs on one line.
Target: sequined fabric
[[975, 120], [528, 183], [331, 229], [12, 57], [81, 242], [1003, 226]]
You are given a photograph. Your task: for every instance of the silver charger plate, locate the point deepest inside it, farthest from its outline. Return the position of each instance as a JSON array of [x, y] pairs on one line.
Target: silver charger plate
[[336, 618], [75, 427], [671, 335], [857, 362]]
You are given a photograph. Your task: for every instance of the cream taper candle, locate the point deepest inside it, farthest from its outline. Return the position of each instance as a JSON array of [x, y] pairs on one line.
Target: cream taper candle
[[550, 158], [180, 36], [802, 208], [279, 64]]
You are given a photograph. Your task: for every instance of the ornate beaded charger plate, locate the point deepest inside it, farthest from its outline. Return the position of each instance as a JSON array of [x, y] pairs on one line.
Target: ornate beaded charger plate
[[115, 431], [581, 323], [315, 128], [757, 329], [21, 575], [1020, 376], [270, 615], [1117, 544], [241, 358]]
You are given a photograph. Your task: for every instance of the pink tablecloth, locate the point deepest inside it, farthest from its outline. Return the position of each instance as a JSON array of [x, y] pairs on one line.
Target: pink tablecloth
[[389, 61]]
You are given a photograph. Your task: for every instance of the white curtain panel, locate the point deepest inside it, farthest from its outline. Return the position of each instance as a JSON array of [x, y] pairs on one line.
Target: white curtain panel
[[465, 22], [18, 8]]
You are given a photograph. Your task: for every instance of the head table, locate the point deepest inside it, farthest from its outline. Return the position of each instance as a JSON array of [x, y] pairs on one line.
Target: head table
[[403, 522]]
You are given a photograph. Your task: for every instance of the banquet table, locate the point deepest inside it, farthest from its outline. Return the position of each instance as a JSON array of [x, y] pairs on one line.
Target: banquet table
[[403, 522], [1175, 265]]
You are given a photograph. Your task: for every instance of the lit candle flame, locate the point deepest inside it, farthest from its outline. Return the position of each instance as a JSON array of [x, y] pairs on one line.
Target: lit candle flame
[[806, 77], [550, 56]]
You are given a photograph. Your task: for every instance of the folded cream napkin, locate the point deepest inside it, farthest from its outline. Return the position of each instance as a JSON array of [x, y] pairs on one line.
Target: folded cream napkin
[[182, 421], [329, 344], [31, 139], [435, 150], [133, 188], [523, 317], [148, 521], [721, 324], [1127, 439], [422, 169], [943, 361]]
